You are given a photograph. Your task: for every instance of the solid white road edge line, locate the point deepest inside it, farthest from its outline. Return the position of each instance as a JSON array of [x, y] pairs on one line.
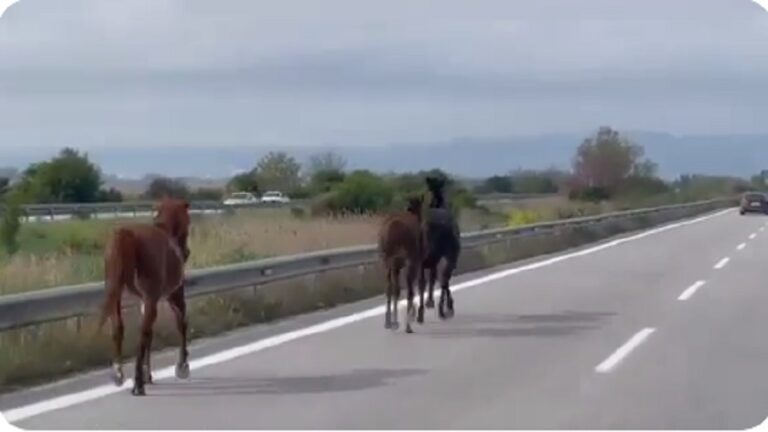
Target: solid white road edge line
[[611, 362], [64, 401], [691, 290]]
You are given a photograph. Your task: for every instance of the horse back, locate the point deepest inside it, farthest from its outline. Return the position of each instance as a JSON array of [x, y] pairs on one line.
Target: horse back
[[158, 267], [400, 235]]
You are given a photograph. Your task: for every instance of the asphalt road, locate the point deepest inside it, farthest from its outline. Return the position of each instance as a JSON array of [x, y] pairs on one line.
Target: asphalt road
[[657, 330]]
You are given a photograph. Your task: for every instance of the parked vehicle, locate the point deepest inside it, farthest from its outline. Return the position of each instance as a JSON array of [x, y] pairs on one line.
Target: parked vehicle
[[241, 198], [275, 197], [754, 202]]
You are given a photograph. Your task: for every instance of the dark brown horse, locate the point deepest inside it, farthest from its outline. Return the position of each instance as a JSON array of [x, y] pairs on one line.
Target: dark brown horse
[[147, 260], [442, 243], [401, 246]]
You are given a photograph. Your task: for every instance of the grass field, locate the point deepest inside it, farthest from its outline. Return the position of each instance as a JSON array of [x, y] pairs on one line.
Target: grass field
[[70, 252]]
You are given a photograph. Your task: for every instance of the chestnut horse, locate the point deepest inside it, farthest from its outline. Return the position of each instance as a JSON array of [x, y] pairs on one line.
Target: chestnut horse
[[442, 242], [401, 246], [147, 260]]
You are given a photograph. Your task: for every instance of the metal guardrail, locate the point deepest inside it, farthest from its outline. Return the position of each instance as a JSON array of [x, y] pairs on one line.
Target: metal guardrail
[[20, 310], [134, 209], [128, 209]]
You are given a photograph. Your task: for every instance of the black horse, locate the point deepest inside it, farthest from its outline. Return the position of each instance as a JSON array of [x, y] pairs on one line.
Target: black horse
[[442, 241]]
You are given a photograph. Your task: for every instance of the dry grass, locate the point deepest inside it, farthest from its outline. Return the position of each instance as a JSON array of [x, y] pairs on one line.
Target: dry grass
[[70, 252], [64, 253]]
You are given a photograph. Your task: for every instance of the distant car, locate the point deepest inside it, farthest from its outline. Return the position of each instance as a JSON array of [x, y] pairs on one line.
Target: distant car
[[275, 197], [754, 202], [241, 198]]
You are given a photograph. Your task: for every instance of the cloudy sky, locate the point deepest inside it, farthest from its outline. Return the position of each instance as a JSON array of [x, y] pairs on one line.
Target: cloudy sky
[[97, 73]]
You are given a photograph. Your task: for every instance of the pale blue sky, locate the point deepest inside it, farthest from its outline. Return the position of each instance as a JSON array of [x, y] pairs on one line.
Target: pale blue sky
[[192, 72]]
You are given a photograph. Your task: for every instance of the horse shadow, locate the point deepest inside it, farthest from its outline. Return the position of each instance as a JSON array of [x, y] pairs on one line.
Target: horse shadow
[[560, 324], [357, 380]]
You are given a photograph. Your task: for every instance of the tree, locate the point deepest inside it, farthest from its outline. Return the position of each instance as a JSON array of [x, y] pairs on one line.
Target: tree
[[363, 191], [245, 182], [67, 178], [605, 160], [278, 171], [324, 180], [329, 161], [5, 185], [163, 187], [10, 225], [110, 195], [646, 168], [497, 184]]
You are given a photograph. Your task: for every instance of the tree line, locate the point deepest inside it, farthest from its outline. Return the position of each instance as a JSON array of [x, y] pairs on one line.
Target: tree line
[[605, 166]]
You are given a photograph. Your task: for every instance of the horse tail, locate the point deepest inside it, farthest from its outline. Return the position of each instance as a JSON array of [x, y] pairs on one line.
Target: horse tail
[[119, 269]]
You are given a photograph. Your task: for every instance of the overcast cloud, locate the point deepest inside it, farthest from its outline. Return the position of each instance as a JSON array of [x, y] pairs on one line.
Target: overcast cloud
[[288, 72]]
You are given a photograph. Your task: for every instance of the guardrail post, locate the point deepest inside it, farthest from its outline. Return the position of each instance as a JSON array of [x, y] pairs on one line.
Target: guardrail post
[[361, 275], [311, 281]]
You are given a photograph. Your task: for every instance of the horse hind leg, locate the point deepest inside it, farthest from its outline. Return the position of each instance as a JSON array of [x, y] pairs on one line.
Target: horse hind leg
[[445, 290], [396, 297], [390, 288], [411, 275], [148, 321], [179, 306], [148, 353], [430, 265], [118, 333], [422, 288], [432, 282]]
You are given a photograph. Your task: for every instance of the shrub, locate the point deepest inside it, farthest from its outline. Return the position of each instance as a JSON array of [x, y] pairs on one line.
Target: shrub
[[591, 194], [364, 192], [11, 224], [523, 217]]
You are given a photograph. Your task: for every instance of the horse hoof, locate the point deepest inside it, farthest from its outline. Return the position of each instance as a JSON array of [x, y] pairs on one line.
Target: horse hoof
[[409, 330], [117, 378], [148, 376], [138, 391], [395, 325], [420, 317], [182, 371], [430, 304]]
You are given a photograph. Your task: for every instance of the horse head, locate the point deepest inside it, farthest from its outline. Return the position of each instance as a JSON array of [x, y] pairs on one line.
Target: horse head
[[173, 217], [436, 185], [415, 204]]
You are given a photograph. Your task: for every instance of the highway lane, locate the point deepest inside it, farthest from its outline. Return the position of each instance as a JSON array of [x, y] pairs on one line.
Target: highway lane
[[522, 352], [708, 357]]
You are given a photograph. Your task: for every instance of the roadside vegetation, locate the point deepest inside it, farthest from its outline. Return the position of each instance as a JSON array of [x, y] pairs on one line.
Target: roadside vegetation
[[609, 173]]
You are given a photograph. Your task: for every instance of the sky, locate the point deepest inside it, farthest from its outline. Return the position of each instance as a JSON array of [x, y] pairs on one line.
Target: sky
[[146, 73]]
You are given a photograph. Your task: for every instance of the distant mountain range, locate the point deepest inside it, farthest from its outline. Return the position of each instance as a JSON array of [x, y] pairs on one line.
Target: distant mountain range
[[738, 155]]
